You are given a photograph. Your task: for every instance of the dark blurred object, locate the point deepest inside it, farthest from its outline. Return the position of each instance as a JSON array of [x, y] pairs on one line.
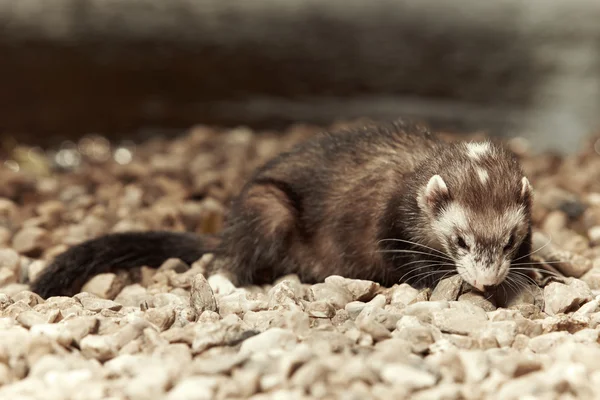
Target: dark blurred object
[[69, 67]]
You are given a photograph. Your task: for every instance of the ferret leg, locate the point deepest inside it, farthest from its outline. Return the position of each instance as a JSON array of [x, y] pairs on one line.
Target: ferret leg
[[258, 236]]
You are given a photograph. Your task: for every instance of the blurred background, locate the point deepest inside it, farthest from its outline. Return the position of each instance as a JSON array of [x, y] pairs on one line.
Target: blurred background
[[138, 68]]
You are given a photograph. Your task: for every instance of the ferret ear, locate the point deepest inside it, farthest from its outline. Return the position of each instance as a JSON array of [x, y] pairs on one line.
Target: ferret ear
[[526, 190], [435, 195]]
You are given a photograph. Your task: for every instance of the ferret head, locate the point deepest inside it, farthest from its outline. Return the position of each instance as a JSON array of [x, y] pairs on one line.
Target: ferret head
[[479, 213]]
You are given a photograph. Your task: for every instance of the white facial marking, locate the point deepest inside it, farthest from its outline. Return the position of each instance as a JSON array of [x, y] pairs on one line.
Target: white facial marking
[[453, 216], [477, 150], [510, 219], [483, 175]]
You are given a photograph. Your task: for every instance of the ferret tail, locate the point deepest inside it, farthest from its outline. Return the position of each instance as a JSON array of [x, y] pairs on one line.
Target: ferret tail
[[71, 269]]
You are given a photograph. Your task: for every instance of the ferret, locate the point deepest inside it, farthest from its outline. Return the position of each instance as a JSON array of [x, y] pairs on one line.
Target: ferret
[[391, 203]]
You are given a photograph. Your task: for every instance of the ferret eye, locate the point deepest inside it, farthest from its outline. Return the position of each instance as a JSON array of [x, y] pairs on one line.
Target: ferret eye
[[461, 243], [511, 242]]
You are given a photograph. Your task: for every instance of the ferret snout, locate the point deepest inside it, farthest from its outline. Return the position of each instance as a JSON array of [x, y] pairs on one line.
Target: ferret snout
[[486, 277]]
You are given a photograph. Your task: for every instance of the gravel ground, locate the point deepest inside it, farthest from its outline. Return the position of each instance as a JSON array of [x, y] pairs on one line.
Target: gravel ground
[[173, 333]]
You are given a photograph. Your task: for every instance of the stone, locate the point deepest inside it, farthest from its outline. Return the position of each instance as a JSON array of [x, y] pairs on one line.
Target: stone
[[447, 289], [30, 318], [444, 391], [7, 276], [340, 317], [478, 299], [376, 329], [162, 317], [134, 295], [13, 289], [234, 303], [460, 318], [274, 338], [320, 309], [6, 301], [106, 285], [564, 298], [96, 304], [10, 260], [220, 284], [418, 334], [588, 308], [225, 332], [423, 295], [546, 342], [475, 365], [222, 363], [308, 374], [504, 332], [407, 376], [31, 241], [170, 299], [284, 296], [67, 306], [34, 269], [402, 295], [594, 235], [572, 264], [447, 364], [337, 296], [174, 264], [592, 277], [425, 310], [247, 382], [361, 290], [354, 308], [58, 332], [194, 388], [202, 295], [80, 327], [354, 370]]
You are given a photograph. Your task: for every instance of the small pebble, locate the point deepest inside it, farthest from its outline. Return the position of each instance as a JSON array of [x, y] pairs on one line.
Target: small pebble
[[447, 289], [105, 286], [561, 298], [31, 241], [202, 296]]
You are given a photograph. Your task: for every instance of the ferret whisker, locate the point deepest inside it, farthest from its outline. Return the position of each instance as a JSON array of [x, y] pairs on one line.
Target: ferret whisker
[[509, 282], [519, 281], [522, 275], [541, 270], [535, 251], [516, 284], [422, 267], [413, 243], [448, 273], [504, 289], [432, 271], [525, 285], [424, 275], [541, 262], [421, 261], [399, 251]]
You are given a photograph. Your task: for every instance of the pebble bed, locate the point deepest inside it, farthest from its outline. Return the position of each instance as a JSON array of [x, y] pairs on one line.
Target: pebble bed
[[175, 333]]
